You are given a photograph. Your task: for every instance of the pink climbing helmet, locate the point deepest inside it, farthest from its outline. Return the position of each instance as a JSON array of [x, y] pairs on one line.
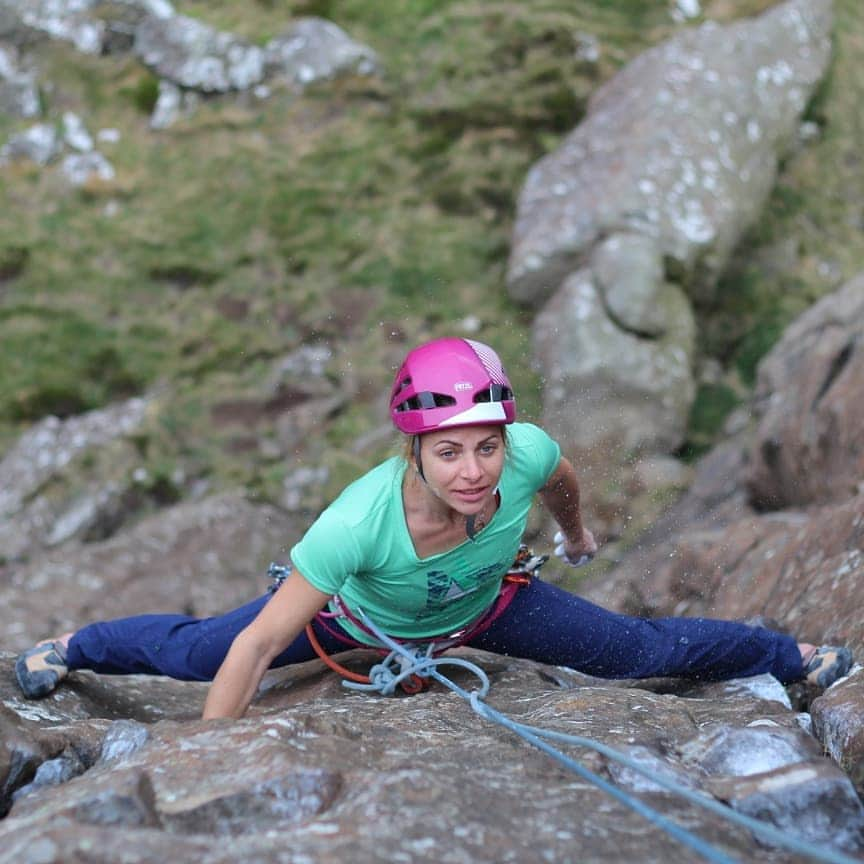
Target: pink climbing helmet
[[451, 382]]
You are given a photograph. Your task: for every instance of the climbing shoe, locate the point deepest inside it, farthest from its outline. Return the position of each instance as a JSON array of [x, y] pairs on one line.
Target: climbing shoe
[[827, 665], [41, 668]]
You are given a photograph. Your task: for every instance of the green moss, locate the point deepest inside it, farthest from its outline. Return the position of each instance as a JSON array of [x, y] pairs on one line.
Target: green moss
[[55, 362], [144, 93], [710, 408]]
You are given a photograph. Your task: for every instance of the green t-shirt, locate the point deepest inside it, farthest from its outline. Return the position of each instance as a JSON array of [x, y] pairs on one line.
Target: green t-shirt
[[360, 548]]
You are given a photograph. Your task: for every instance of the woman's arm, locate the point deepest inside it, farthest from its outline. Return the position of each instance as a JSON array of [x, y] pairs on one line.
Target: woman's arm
[[276, 626], [560, 496]]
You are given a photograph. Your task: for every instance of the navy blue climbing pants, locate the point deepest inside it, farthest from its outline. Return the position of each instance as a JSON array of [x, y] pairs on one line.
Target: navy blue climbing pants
[[543, 623]]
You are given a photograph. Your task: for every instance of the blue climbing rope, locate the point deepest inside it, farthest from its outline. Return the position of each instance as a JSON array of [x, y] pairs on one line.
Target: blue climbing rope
[[412, 660]]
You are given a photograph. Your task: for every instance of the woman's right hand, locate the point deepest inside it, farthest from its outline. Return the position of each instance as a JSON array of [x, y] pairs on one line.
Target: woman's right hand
[[275, 627]]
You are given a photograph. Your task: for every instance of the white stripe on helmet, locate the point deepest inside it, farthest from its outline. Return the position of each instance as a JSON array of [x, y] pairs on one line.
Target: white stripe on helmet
[[483, 412]]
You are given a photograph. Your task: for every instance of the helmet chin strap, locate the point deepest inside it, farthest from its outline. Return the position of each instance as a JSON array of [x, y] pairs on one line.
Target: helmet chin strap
[[470, 530]]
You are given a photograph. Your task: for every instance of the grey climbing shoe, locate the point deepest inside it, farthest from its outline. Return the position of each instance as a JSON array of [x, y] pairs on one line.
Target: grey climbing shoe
[[827, 665], [41, 668]]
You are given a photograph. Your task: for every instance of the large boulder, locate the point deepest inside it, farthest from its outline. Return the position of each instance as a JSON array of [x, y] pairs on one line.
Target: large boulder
[[680, 147], [195, 55], [616, 387], [637, 211]]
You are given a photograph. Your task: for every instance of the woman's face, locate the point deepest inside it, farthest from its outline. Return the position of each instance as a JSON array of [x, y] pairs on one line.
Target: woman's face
[[462, 466]]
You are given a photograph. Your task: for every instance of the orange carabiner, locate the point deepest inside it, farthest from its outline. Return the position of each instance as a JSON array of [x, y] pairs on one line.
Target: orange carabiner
[[414, 684]]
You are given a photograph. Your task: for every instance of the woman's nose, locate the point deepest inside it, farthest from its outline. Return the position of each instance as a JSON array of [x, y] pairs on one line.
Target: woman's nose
[[471, 466]]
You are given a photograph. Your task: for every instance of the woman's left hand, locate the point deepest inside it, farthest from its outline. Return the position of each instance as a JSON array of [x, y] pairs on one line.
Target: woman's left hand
[[575, 553]]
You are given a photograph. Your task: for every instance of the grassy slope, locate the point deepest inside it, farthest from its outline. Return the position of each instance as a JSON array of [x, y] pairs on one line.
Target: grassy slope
[[356, 211]]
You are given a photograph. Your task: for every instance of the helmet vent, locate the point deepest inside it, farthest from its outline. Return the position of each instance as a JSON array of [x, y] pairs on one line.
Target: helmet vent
[[494, 393], [426, 399]]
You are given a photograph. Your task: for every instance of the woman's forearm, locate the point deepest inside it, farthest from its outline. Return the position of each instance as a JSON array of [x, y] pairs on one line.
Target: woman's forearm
[[276, 626], [237, 680], [561, 497]]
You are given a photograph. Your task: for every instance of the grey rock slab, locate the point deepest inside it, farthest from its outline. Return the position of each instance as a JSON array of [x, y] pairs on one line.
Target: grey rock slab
[[313, 49], [195, 55], [681, 146], [603, 382], [317, 773]]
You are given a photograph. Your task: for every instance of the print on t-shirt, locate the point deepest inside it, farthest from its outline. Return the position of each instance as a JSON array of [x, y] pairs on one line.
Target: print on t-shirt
[[442, 588]]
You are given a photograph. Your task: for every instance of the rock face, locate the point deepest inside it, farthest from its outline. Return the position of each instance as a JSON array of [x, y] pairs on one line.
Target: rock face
[[201, 558], [809, 446], [718, 552], [316, 773], [637, 213], [40, 505]]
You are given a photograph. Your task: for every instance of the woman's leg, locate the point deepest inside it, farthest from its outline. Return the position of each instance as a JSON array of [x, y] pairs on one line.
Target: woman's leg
[[179, 646], [550, 625]]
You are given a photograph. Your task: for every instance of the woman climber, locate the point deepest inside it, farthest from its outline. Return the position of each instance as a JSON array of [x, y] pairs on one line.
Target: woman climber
[[422, 544]]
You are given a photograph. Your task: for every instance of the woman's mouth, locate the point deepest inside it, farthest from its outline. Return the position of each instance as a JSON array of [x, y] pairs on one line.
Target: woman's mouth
[[471, 496]]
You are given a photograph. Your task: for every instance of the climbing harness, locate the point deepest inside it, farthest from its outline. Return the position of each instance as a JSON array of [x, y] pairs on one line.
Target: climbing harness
[[384, 679], [525, 566]]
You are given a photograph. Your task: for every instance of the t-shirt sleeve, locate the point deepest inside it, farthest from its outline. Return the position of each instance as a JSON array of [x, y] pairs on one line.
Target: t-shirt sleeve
[[328, 553], [543, 451]]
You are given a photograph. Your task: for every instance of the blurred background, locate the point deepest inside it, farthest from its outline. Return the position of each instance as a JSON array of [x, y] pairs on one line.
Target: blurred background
[[223, 223]]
